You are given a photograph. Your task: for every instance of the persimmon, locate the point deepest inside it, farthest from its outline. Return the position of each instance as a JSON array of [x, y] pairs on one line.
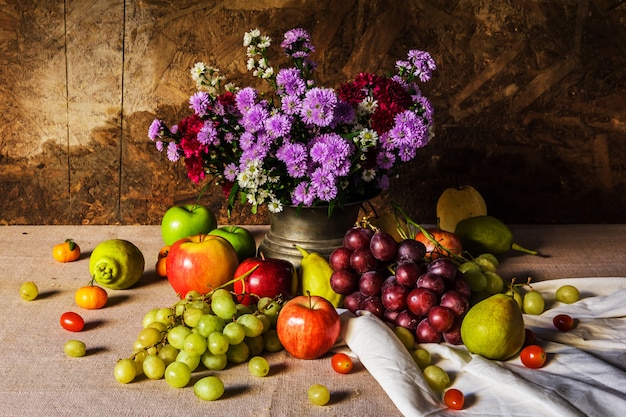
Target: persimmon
[[67, 251], [91, 297], [447, 243]]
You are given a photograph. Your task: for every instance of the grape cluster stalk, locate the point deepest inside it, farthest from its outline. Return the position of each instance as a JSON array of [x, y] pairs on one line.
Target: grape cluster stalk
[[393, 281]]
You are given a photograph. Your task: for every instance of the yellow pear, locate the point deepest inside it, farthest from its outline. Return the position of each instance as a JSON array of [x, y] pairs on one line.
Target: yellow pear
[[494, 328], [459, 203]]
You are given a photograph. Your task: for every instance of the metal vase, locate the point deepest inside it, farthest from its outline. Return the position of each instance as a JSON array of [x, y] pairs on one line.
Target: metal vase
[[308, 227]]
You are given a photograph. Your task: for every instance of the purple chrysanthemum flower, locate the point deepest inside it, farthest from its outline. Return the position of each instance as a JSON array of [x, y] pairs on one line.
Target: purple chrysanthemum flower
[[160, 145], [291, 104], [331, 151], [254, 118], [172, 152], [230, 172], [323, 184], [245, 99], [383, 182], [302, 195], [154, 131], [385, 160], [294, 155], [278, 125], [318, 106], [289, 81], [247, 140], [423, 64], [344, 114], [208, 134], [297, 43], [199, 102]]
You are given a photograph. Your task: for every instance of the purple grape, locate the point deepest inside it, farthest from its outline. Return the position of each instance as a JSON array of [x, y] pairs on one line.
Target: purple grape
[[408, 272], [393, 295], [362, 260], [371, 282], [407, 320], [357, 238], [374, 305], [410, 250], [344, 281], [432, 281], [383, 246], [353, 301]]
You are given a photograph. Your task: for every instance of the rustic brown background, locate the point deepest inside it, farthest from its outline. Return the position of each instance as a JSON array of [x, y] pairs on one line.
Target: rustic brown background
[[530, 100]]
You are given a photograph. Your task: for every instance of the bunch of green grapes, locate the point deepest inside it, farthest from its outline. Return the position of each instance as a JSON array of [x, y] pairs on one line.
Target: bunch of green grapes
[[533, 302], [212, 331], [481, 274]]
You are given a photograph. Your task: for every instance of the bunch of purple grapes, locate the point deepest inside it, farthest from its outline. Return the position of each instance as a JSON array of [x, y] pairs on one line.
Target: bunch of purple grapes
[[393, 281]]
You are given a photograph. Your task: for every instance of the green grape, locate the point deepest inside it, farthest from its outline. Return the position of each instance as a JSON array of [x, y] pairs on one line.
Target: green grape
[[514, 292], [210, 323], [29, 291], [214, 362], [318, 394], [177, 374], [476, 280], [139, 357], [195, 344], [405, 335], [217, 343], [149, 317], [224, 307], [269, 307], [192, 361], [192, 295], [266, 320], [75, 348], [125, 371], [421, 357], [221, 292], [271, 342], [176, 336], [201, 305], [168, 353], [238, 353], [437, 378], [153, 367], [485, 264], [243, 309], [209, 388], [234, 332], [258, 366], [567, 294], [251, 324], [495, 283], [255, 344], [490, 257], [533, 302], [192, 315], [158, 325], [164, 315], [149, 336], [179, 308], [468, 266]]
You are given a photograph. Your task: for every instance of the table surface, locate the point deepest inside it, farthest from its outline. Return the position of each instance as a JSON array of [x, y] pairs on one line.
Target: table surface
[[38, 379]]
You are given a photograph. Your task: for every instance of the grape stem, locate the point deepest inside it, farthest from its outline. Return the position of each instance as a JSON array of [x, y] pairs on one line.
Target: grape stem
[[407, 233]]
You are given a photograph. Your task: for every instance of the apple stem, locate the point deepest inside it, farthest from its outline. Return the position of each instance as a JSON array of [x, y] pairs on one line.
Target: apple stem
[[239, 278]]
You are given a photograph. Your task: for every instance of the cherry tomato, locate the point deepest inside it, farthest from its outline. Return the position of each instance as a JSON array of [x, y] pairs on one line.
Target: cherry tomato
[[72, 321], [450, 243], [67, 251], [563, 322], [161, 264], [91, 297], [342, 363], [454, 399], [533, 356]]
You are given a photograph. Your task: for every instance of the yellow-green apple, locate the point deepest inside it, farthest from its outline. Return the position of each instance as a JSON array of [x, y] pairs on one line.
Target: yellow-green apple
[[264, 277], [200, 263], [186, 220], [308, 326], [242, 240]]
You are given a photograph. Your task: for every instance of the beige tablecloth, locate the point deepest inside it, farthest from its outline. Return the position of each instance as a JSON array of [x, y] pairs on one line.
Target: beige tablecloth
[[38, 379]]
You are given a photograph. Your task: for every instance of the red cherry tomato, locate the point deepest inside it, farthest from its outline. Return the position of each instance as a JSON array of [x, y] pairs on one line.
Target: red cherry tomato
[[533, 356], [454, 399], [563, 322], [342, 363], [72, 321]]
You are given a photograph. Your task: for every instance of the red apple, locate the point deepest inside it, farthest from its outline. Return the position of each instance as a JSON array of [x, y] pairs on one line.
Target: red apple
[[308, 326], [200, 263], [264, 277]]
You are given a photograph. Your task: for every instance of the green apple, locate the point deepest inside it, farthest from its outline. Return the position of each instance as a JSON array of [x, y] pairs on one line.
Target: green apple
[[186, 220], [241, 239]]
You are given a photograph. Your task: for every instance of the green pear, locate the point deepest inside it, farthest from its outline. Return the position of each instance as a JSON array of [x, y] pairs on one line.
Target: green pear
[[494, 328]]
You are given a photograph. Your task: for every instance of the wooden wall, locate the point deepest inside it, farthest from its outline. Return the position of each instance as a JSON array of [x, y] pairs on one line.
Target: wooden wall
[[530, 100]]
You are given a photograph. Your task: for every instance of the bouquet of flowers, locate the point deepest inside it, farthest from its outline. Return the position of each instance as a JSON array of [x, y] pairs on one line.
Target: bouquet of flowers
[[300, 144]]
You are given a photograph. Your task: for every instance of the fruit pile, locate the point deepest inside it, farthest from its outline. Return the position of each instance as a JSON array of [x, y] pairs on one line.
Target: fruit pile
[[393, 281], [210, 329]]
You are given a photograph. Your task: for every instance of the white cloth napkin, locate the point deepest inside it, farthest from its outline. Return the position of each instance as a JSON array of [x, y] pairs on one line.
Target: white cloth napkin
[[585, 374]]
